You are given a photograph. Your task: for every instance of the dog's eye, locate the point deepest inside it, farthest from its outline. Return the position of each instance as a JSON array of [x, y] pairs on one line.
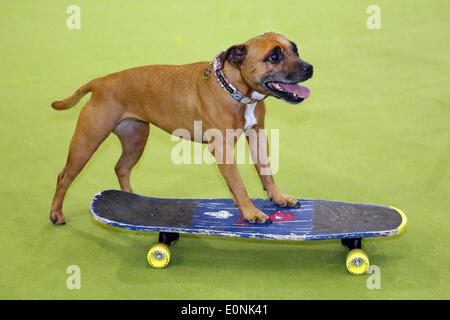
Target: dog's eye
[[274, 57]]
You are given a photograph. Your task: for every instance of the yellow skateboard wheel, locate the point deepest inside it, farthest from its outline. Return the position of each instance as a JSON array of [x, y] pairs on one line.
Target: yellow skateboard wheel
[[159, 255], [357, 262]]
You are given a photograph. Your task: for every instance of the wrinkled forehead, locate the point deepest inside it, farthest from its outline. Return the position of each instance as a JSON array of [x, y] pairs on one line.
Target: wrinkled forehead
[[266, 42]]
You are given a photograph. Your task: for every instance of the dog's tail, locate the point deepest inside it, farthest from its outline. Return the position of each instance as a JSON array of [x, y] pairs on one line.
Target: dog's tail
[[73, 99]]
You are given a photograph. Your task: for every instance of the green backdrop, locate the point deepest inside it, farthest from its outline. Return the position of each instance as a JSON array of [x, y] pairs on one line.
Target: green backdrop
[[375, 130]]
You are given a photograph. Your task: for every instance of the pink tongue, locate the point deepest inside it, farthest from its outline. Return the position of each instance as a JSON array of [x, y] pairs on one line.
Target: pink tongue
[[302, 92]]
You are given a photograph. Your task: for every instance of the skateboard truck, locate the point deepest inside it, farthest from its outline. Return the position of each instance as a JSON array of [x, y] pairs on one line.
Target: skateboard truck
[[168, 238], [352, 243]]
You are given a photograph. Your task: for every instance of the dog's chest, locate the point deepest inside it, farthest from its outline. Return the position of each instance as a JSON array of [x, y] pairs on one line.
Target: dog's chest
[[250, 119]]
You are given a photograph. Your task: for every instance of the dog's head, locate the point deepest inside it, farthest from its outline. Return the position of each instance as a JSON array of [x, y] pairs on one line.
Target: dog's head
[[270, 64]]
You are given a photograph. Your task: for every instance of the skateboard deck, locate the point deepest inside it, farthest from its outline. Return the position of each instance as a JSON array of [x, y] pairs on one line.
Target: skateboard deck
[[313, 220]]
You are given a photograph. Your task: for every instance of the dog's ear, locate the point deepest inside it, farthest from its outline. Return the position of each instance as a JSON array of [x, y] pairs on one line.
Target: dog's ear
[[236, 54]]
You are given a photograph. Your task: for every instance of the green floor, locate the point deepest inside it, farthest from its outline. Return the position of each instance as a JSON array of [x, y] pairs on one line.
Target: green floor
[[375, 130]]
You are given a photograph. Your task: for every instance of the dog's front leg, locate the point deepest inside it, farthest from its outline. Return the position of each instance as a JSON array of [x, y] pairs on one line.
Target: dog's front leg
[[259, 150], [224, 155]]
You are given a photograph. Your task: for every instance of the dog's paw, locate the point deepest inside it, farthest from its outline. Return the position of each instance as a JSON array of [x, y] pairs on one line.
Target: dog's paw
[[255, 216], [285, 200], [57, 218]]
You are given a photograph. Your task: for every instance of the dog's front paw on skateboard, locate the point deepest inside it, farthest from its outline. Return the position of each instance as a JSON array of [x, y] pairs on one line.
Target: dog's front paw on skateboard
[[254, 215], [284, 200]]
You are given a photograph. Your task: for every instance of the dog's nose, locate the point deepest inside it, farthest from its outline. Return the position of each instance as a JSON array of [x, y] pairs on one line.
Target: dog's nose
[[307, 68]]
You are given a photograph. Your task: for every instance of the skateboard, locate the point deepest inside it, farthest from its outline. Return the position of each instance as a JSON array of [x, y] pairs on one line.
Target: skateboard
[[312, 220]]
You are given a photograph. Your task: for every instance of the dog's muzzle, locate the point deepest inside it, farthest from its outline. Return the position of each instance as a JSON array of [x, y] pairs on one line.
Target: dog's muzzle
[[285, 86]]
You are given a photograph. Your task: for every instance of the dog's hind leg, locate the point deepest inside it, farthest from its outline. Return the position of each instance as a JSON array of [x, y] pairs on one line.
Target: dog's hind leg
[[95, 123], [133, 136]]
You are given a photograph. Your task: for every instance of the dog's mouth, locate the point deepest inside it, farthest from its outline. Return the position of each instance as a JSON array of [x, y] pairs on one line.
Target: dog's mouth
[[290, 92]]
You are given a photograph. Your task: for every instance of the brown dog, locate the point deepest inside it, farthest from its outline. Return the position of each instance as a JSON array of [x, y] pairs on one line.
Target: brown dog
[[227, 94]]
